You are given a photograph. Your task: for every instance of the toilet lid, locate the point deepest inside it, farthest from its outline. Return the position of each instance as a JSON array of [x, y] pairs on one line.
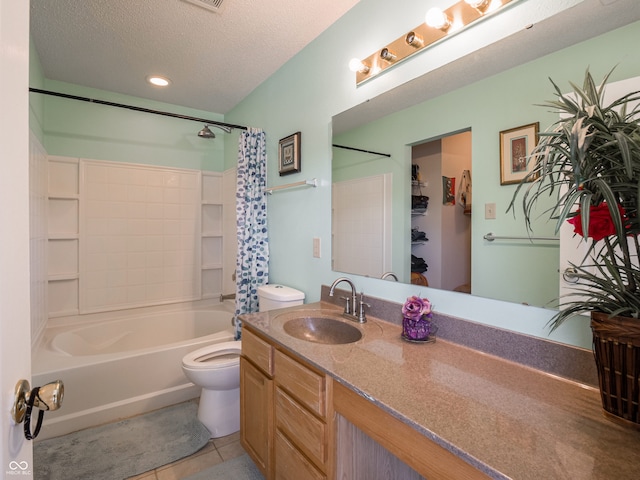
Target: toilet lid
[[218, 355]]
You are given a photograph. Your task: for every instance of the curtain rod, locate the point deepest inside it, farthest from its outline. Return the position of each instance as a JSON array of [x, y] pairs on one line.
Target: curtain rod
[[138, 109], [361, 150]]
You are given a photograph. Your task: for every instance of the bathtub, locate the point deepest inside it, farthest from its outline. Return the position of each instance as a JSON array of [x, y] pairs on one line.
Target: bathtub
[[114, 368]]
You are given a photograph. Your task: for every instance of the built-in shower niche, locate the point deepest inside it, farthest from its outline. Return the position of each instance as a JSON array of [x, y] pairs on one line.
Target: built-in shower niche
[[212, 234], [63, 220]]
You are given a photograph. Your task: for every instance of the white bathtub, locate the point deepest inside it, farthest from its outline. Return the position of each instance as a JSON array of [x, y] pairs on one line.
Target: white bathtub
[[126, 366]]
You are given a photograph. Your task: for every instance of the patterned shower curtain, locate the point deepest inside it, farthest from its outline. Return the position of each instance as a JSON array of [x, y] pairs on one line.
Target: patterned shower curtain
[[252, 264]]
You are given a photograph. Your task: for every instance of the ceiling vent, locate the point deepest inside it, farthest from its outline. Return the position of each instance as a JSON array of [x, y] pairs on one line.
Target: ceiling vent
[[211, 5]]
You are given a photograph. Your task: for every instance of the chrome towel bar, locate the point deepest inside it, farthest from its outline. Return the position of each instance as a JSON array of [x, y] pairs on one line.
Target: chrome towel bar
[[304, 183], [490, 237]]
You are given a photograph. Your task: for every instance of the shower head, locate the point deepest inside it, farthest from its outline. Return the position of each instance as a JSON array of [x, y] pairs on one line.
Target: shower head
[[206, 133]]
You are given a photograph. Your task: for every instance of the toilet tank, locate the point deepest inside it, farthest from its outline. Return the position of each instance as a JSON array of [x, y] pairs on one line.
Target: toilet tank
[[278, 296]]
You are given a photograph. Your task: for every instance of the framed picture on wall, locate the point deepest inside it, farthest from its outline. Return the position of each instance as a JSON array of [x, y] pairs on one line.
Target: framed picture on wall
[[289, 154], [516, 145]]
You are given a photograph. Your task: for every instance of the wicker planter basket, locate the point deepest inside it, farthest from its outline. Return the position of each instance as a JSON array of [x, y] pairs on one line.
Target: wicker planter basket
[[616, 346]]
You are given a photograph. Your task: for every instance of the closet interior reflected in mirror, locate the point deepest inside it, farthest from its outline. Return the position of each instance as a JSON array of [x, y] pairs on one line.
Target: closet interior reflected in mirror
[[410, 216]]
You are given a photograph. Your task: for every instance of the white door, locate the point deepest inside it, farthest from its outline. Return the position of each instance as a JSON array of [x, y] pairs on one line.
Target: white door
[[16, 460]]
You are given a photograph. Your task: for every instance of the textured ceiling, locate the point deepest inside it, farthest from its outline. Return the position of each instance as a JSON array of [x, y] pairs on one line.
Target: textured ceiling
[[214, 59]]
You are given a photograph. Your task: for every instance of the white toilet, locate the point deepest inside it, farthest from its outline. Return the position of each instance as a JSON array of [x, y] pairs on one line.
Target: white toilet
[[216, 368]]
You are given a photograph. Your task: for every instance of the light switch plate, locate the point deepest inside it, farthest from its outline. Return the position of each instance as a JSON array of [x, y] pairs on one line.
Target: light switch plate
[[316, 247], [490, 211]]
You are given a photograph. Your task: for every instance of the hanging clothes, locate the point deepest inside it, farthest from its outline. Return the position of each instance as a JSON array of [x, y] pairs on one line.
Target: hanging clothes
[[465, 192], [252, 263]]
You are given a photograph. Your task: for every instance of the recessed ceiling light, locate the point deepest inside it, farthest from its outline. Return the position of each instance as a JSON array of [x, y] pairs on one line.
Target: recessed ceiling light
[[158, 81]]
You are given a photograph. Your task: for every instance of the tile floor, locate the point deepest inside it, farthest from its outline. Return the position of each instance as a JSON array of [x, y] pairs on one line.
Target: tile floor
[[216, 451]]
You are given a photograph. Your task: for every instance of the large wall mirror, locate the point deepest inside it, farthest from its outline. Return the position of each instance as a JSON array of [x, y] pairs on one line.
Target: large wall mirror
[[473, 98]]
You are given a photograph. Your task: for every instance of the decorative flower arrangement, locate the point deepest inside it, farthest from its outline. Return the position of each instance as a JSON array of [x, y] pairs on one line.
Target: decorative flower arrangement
[[601, 224], [416, 322]]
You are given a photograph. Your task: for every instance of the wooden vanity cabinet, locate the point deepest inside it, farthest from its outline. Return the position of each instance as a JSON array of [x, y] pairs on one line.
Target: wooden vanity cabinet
[[256, 400], [284, 405]]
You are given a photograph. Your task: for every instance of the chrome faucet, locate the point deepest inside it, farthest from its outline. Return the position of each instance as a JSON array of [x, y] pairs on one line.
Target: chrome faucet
[[351, 308], [389, 275]]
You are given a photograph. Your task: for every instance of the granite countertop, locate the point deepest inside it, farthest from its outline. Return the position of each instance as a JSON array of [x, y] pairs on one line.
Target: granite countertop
[[505, 419]]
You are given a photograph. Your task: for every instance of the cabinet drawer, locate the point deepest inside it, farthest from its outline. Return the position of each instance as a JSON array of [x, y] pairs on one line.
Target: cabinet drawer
[[258, 351], [305, 430], [303, 384], [291, 464]]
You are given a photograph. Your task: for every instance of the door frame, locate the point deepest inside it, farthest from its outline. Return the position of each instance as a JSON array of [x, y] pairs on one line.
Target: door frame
[[16, 454]]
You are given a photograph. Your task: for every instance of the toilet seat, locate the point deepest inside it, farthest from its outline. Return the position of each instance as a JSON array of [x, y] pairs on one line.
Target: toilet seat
[[211, 357]]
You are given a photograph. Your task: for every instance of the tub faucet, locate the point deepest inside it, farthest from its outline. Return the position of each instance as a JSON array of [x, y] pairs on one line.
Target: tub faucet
[[351, 309]]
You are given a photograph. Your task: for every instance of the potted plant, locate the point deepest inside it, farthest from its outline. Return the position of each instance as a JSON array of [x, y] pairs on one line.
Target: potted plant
[[588, 163]]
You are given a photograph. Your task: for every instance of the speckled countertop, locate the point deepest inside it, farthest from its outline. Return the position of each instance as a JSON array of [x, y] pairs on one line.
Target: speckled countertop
[[507, 420]]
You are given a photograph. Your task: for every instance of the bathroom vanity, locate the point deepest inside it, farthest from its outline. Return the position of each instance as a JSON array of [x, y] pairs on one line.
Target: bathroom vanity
[[383, 408]]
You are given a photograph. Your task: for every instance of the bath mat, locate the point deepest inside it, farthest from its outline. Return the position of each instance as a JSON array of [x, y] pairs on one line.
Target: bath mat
[[122, 449], [239, 468]]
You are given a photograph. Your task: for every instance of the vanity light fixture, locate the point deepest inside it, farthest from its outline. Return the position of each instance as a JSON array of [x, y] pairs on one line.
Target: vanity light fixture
[[436, 18], [438, 25], [387, 55], [158, 81], [416, 41]]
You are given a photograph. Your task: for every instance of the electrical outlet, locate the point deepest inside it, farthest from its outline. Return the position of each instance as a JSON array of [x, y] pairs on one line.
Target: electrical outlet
[[316, 247], [490, 211]]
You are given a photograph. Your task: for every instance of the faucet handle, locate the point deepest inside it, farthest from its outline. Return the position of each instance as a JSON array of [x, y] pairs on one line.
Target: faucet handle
[[347, 306], [362, 318]]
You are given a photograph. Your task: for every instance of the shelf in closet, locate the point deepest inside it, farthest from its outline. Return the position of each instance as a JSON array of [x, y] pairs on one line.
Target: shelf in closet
[[63, 236], [63, 196], [63, 277]]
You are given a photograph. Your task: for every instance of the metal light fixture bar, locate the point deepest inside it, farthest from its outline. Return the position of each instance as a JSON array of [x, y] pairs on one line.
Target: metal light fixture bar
[[461, 15]]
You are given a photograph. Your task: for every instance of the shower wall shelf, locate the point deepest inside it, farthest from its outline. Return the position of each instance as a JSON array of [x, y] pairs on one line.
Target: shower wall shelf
[[304, 183], [63, 235], [212, 205]]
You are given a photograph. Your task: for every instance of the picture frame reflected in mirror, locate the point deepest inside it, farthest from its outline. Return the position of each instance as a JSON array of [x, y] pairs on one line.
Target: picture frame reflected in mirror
[[516, 145]]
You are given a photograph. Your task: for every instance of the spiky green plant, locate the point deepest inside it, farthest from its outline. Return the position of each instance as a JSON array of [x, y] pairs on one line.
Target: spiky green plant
[[591, 158]]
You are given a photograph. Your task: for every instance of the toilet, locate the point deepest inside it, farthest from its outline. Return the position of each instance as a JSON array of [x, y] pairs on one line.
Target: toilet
[[272, 296], [216, 368]]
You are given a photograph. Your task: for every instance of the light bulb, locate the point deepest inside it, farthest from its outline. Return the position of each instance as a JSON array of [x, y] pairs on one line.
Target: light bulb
[[436, 18], [477, 3], [356, 65], [480, 5], [158, 81]]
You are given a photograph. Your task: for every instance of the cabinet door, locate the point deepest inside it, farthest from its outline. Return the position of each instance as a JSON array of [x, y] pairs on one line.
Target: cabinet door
[[291, 464], [256, 410]]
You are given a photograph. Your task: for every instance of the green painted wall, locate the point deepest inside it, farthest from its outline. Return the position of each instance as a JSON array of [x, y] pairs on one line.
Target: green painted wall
[[79, 129], [315, 85]]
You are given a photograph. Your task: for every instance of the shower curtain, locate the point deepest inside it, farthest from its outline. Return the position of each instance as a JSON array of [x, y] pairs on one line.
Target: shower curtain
[[252, 263]]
